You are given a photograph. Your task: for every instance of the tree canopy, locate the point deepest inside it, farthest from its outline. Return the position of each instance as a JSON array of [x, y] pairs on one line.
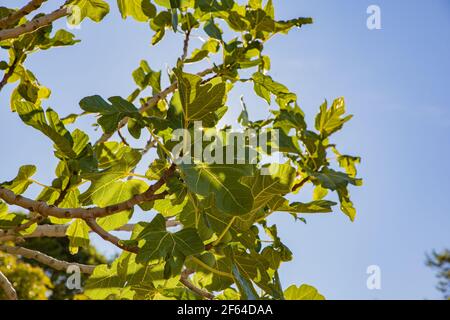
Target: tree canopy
[[209, 198]]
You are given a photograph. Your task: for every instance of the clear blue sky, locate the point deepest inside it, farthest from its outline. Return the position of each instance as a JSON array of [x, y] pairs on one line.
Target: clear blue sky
[[396, 83]]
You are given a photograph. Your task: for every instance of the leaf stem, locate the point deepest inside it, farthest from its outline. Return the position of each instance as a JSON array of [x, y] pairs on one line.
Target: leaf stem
[[211, 269], [132, 174], [40, 184], [224, 232]]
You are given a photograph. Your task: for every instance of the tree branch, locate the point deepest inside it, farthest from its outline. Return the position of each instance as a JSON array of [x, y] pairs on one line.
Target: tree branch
[[86, 213], [10, 71], [15, 16], [188, 284], [109, 237], [7, 287], [45, 259], [186, 45], [34, 24], [124, 141], [30, 223], [300, 184]]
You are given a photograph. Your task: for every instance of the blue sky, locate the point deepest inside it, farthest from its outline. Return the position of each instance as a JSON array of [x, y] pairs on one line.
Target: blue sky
[[396, 83]]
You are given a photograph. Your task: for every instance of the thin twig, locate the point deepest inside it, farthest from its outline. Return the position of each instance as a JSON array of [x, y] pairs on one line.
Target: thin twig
[[149, 145], [186, 45], [10, 71], [300, 184], [7, 287], [184, 279], [28, 224], [125, 142], [109, 237]]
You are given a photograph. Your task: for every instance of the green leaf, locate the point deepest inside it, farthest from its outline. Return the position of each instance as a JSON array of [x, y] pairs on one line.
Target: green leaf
[[169, 4], [22, 181], [319, 193], [104, 283], [110, 114], [80, 141], [328, 121], [156, 169], [255, 4], [102, 182], [346, 204], [334, 180], [3, 208], [288, 143], [213, 30], [229, 294], [282, 93], [269, 9], [162, 20], [223, 181], [199, 100], [290, 118], [339, 181], [280, 204], [140, 10], [255, 268], [304, 292], [48, 123], [272, 256], [285, 26], [157, 243], [171, 205], [237, 22], [10, 220], [126, 279], [209, 6], [95, 10], [117, 156], [70, 201], [197, 55], [144, 76], [283, 251], [117, 192], [244, 285], [204, 278], [78, 234], [348, 163], [276, 180], [62, 38], [211, 219]]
